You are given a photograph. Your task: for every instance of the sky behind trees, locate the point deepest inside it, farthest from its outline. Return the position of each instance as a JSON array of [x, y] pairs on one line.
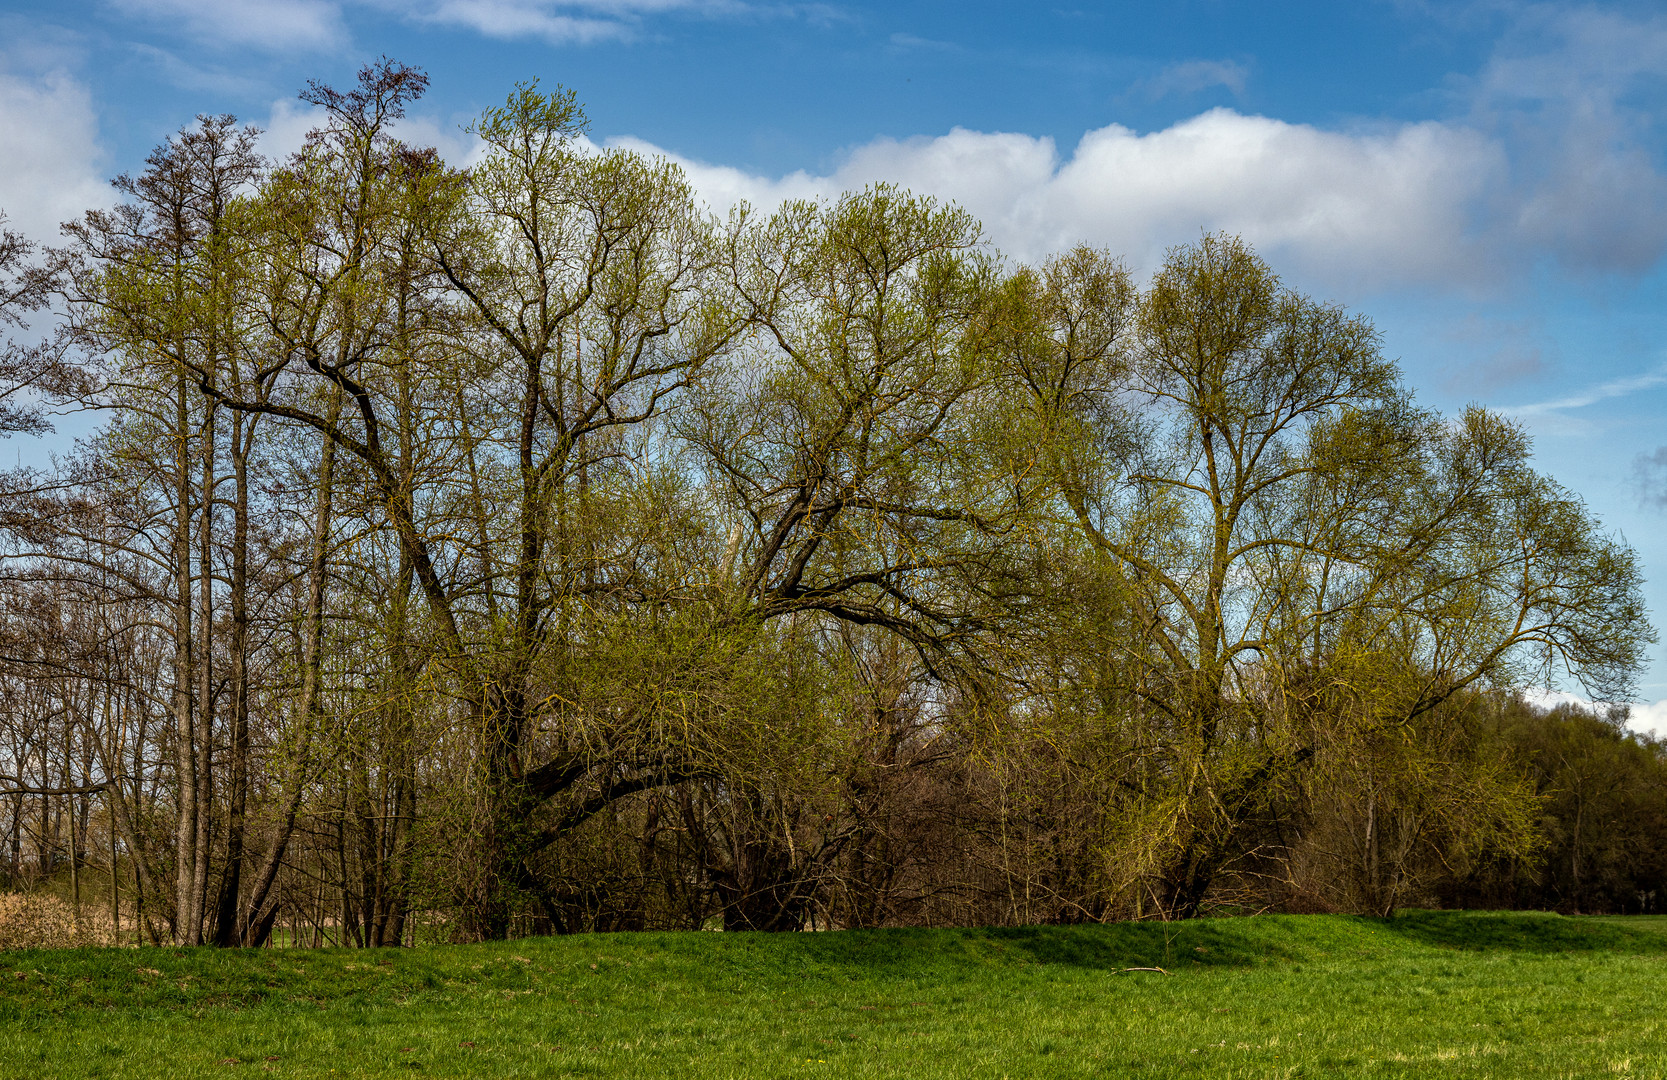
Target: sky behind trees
[[1486, 181]]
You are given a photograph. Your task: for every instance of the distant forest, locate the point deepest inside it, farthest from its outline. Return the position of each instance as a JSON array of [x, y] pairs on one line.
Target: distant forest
[[468, 553]]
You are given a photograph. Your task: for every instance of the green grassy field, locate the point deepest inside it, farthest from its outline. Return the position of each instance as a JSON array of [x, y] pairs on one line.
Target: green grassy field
[[1428, 994]]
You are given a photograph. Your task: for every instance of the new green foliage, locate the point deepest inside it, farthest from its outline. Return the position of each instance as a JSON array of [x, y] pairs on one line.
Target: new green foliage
[[521, 547]]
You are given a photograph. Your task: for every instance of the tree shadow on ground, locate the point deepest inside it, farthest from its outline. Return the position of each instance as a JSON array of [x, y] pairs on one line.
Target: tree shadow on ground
[[1192, 944], [1527, 931], [1108, 947]]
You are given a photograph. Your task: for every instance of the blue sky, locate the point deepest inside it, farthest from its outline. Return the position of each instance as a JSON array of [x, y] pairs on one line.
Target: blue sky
[[1487, 180]]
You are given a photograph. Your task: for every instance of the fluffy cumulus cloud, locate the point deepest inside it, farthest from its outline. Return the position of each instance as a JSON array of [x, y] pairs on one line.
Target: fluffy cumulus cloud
[[49, 144], [1550, 152], [274, 25], [1550, 155], [1382, 208]]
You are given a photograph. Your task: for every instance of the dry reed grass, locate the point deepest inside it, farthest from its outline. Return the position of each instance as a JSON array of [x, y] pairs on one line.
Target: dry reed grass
[[44, 921]]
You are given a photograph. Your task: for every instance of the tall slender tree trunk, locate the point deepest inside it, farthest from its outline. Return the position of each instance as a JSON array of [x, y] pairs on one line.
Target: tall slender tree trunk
[[205, 679], [185, 736], [70, 816], [226, 930]]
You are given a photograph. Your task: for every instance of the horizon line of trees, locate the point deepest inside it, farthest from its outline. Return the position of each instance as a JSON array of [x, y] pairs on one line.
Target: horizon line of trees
[[524, 549]]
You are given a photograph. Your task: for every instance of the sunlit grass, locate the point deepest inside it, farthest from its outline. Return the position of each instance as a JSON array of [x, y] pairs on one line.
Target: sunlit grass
[[1424, 994]]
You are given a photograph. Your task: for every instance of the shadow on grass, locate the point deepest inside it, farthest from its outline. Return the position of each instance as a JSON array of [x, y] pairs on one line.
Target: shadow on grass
[[172, 979], [1196, 942], [943, 952], [1179, 946], [1527, 931]]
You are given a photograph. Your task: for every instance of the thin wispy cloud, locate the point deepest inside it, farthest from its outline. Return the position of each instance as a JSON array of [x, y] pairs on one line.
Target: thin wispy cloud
[[196, 77], [558, 22], [906, 42], [1604, 391], [1193, 76], [269, 25], [323, 25]]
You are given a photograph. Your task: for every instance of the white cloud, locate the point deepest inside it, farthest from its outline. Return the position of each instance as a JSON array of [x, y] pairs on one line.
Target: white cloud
[[1548, 158], [1651, 719], [285, 130], [1546, 161], [1385, 207], [1647, 719], [1377, 208], [457, 147], [907, 42], [274, 25], [49, 144]]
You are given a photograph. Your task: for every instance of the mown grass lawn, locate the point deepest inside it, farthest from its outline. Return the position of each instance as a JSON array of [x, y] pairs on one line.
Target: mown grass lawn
[[1426, 994]]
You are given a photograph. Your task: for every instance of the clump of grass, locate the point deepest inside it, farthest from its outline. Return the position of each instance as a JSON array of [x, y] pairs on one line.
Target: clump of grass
[[1424, 994]]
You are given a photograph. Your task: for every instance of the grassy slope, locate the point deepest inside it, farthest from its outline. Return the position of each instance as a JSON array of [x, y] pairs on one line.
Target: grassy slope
[[1425, 994]]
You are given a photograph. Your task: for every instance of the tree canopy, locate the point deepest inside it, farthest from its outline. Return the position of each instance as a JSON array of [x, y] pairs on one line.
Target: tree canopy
[[521, 547]]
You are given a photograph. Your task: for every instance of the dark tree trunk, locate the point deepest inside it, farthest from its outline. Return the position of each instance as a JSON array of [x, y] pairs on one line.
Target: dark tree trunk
[[226, 929]]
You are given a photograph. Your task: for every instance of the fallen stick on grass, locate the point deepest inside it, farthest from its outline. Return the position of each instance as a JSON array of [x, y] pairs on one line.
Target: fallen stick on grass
[[1145, 969]]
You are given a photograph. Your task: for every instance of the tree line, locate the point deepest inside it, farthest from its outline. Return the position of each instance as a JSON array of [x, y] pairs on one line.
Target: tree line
[[522, 548]]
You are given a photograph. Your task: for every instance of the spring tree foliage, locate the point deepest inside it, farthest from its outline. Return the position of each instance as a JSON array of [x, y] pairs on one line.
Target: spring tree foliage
[[1288, 533], [522, 545]]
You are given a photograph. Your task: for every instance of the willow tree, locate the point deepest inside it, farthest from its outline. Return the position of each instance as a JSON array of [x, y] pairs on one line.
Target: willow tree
[[1285, 531]]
